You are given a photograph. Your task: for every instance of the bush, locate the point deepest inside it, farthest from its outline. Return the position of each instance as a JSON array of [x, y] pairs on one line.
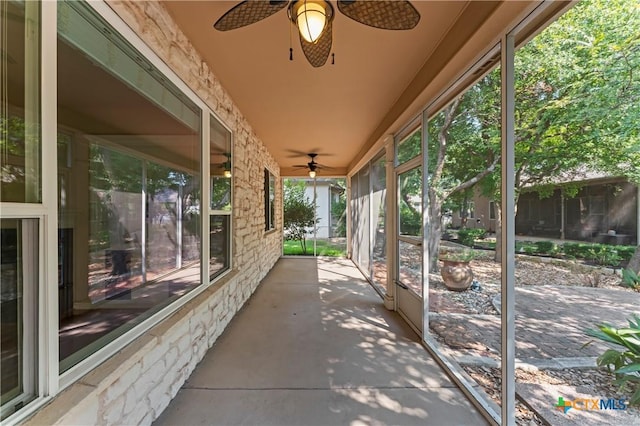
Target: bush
[[576, 250], [630, 279], [625, 361], [606, 255], [468, 236], [546, 247], [625, 252], [602, 254]]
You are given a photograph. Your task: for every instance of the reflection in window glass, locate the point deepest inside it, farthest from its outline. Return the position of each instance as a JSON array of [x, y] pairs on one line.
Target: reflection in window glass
[[269, 200], [218, 244], [18, 311], [221, 168], [129, 211], [20, 144], [410, 147]]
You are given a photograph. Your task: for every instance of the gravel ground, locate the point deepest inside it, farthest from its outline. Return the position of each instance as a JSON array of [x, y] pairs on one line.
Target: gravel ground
[[591, 381], [530, 271]]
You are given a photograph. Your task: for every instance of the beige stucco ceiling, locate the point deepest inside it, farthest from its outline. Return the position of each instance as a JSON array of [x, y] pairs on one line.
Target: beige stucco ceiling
[[379, 81]]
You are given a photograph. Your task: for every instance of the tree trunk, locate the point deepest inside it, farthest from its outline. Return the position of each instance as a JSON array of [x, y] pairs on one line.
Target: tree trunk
[[634, 262], [498, 212], [435, 229]]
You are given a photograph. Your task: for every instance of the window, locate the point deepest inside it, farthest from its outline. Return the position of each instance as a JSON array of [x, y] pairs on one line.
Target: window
[[20, 143], [20, 182], [19, 272], [471, 210], [409, 147], [269, 200], [221, 191], [129, 211]]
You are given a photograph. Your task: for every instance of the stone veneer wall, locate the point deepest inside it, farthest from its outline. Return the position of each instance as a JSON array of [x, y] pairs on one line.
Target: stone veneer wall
[[136, 384]]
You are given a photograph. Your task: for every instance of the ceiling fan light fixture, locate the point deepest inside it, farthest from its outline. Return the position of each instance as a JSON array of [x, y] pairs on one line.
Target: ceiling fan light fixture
[[312, 174], [311, 18], [227, 173]]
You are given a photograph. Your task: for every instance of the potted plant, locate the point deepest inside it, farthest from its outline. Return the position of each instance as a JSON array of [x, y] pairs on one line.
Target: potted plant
[[456, 271]]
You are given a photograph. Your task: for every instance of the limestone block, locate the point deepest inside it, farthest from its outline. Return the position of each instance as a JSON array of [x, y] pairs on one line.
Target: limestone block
[[170, 358], [112, 413], [124, 382], [130, 401]]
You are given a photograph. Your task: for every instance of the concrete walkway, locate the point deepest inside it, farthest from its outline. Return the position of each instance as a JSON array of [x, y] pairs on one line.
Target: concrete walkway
[[315, 346]]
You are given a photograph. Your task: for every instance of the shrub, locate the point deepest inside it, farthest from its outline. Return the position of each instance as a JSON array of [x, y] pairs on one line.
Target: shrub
[[625, 252], [605, 255], [630, 279], [577, 250], [602, 254], [468, 236], [546, 247], [625, 361]]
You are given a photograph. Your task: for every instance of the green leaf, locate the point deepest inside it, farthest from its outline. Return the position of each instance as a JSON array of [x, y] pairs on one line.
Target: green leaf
[[628, 369], [609, 357]]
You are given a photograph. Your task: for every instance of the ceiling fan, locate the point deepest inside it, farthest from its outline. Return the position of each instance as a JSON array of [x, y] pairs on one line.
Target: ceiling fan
[[312, 165], [314, 19], [223, 162]]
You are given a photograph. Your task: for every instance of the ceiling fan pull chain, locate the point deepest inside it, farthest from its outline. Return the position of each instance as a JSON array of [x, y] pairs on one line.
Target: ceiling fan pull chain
[[333, 59], [290, 45]]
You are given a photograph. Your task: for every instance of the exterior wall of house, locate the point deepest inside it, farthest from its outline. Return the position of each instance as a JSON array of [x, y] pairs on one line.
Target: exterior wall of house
[[323, 206], [479, 215], [135, 385], [605, 212]]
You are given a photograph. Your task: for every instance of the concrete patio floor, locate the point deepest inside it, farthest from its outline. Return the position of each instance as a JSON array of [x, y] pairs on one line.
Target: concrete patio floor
[[315, 346]]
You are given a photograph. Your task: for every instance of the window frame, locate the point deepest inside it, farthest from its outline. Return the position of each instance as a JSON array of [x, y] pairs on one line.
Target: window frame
[[269, 201], [212, 278]]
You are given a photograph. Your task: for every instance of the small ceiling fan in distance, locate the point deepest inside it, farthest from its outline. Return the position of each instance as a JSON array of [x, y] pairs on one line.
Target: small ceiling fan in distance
[[314, 19], [312, 165]]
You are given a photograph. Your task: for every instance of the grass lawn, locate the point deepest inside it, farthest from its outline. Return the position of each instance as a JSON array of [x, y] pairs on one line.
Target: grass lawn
[[323, 248]]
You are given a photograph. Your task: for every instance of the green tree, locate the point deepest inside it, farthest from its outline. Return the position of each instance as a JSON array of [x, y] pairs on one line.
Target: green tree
[[577, 103], [339, 211], [299, 213]]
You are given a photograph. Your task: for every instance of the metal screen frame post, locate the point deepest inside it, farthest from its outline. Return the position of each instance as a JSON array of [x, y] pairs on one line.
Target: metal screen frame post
[[507, 350]]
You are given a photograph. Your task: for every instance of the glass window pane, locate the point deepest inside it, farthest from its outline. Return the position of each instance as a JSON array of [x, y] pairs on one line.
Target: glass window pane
[[162, 220], [410, 267], [20, 143], [409, 147], [221, 166], [129, 198], [410, 202], [218, 244], [115, 223], [269, 200], [365, 221], [355, 218], [18, 312], [378, 210]]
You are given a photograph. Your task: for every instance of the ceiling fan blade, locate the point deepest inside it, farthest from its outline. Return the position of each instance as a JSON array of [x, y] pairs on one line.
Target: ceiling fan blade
[[384, 14], [294, 153], [248, 12], [318, 52], [322, 166]]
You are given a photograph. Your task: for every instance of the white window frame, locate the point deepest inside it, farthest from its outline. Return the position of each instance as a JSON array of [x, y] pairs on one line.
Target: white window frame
[[49, 381]]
